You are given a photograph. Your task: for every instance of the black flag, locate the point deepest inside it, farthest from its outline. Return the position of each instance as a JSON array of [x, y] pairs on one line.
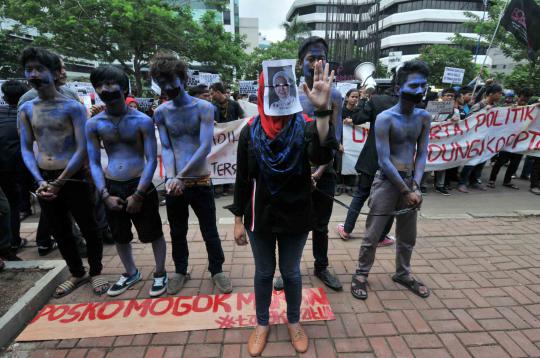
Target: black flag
[[522, 19]]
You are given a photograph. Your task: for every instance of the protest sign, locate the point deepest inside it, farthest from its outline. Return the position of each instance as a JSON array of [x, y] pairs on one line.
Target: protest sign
[[453, 75], [471, 141], [440, 107], [166, 314]]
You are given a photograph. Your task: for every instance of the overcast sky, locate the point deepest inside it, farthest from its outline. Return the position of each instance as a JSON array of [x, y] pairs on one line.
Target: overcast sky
[[271, 14]]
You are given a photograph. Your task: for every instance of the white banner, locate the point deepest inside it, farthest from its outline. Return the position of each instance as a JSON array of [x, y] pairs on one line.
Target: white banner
[[471, 141]]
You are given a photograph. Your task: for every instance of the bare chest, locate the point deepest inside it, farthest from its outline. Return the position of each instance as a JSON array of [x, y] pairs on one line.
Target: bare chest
[[50, 120], [122, 132]]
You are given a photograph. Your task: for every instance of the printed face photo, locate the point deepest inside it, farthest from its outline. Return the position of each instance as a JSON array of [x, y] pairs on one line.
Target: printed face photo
[[281, 94]]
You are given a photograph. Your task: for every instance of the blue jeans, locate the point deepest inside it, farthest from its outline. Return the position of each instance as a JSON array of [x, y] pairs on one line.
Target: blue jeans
[[471, 173], [290, 252]]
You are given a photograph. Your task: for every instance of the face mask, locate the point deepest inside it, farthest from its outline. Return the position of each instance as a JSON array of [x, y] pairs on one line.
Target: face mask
[[36, 82], [412, 97], [173, 92], [109, 96]]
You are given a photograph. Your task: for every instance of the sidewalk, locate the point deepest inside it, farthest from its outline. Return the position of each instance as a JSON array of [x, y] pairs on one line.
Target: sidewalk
[[484, 274]]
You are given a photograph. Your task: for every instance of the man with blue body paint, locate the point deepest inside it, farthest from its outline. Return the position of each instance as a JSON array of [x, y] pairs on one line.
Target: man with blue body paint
[[315, 49], [126, 185], [402, 134], [186, 130], [56, 124]]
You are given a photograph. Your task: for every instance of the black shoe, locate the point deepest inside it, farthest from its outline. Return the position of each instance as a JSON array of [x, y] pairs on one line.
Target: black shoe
[[8, 255], [329, 280], [442, 190], [45, 250]]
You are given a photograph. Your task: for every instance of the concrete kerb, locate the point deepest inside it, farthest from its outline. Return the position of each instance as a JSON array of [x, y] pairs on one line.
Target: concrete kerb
[[18, 316]]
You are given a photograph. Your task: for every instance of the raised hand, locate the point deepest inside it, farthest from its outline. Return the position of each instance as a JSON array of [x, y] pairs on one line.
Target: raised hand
[[319, 95]]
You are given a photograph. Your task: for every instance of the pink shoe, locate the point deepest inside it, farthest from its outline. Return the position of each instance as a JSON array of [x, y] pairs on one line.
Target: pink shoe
[[342, 233], [388, 241]]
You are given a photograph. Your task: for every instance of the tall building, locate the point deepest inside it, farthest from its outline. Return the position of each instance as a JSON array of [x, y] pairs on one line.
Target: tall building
[[370, 30], [229, 16], [249, 26]]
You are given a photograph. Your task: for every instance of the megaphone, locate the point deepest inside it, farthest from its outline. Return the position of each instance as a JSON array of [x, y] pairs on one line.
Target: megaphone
[[364, 73]]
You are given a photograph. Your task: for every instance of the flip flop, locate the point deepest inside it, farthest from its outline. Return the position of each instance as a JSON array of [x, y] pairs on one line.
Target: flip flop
[[68, 287], [359, 288], [99, 284], [413, 285]]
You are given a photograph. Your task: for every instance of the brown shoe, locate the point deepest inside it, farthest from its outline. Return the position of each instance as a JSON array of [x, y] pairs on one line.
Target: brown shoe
[[257, 340], [299, 338]]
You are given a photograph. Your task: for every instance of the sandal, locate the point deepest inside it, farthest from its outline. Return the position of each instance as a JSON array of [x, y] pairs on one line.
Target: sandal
[[359, 288], [413, 285], [99, 285], [491, 185], [511, 186], [68, 286]]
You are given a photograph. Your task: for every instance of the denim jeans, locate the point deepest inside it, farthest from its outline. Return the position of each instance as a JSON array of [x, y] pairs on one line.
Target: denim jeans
[[361, 194], [290, 252], [527, 166], [75, 198], [502, 159], [471, 173], [201, 200]]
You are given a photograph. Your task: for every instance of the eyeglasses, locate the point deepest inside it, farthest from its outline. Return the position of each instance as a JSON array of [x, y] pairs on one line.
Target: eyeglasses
[[285, 85]]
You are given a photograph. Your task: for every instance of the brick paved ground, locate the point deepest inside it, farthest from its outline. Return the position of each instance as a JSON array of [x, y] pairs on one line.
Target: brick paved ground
[[484, 273]]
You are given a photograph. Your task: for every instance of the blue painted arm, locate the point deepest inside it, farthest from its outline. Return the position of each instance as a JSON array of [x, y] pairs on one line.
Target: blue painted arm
[[422, 149], [78, 118], [146, 126], [206, 136], [382, 135], [27, 143], [94, 154], [166, 148]]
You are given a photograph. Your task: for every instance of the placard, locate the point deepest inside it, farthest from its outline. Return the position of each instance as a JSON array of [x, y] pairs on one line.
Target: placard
[[453, 75]]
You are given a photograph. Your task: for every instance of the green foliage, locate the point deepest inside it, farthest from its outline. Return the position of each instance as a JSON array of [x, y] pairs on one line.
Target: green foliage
[[524, 75], [277, 50], [128, 32], [295, 30], [9, 56], [438, 57], [505, 40]]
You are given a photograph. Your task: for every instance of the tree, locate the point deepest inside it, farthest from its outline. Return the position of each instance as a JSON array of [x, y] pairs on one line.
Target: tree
[[438, 57], [295, 29], [277, 50], [524, 75], [9, 56], [127, 32]]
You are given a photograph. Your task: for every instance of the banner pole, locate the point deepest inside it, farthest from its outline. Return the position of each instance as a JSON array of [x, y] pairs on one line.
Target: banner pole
[[490, 45]]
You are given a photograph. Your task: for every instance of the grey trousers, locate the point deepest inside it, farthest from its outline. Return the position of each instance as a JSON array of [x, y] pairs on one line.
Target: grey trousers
[[386, 198]]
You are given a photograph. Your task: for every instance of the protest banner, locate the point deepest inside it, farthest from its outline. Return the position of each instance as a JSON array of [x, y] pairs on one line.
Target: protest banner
[[453, 75], [166, 314], [471, 141]]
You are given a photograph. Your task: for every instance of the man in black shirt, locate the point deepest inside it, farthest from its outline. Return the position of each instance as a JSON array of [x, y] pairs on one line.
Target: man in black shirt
[[227, 109], [10, 157]]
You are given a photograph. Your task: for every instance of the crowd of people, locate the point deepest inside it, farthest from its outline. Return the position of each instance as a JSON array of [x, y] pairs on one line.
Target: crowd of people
[[287, 174]]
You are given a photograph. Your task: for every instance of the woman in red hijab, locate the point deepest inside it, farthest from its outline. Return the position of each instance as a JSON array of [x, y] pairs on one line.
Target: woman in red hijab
[[272, 199]]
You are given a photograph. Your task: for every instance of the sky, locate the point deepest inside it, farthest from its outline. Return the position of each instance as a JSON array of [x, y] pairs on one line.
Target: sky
[[271, 14]]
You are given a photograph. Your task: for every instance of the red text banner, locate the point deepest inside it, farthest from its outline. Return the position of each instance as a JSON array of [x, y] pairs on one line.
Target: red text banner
[[471, 141], [166, 314]]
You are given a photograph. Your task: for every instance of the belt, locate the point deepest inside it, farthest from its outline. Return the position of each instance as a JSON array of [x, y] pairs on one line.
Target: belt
[[403, 174], [202, 181]]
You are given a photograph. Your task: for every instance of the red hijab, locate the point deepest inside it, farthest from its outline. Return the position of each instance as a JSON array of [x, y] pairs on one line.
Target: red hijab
[[272, 125]]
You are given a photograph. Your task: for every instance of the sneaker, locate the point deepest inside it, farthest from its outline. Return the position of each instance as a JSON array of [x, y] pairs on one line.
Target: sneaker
[[223, 282], [387, 241], [278, 284], [159, 286], [462, 188], [442, 190], [123, 283], [45, 250], [328, 279], [8, 255], [176, 283], [535, 190], [342, 233]]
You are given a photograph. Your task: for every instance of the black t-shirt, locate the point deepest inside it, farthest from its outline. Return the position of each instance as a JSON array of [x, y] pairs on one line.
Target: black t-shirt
[[231, 111], [10, 145]]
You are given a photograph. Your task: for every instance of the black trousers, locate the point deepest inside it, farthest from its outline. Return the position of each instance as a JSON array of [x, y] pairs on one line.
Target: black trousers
[[5, 225], [201, 200], [10, 186], [75, 198], [322, 205], [535, 173], [501, 160]]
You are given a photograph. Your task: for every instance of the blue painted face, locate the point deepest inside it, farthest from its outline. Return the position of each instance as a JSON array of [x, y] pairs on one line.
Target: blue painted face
[[315, 53], [173, 87], [414, 88], [110, 92], [38, 75]]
